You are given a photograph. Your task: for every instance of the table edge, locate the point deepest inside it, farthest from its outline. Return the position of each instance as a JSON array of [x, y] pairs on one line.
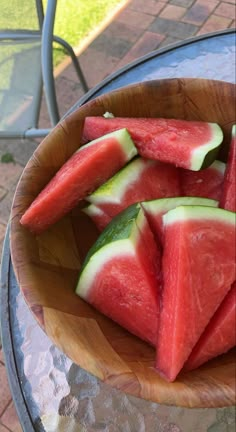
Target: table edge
[[7, 343], [159, 51]]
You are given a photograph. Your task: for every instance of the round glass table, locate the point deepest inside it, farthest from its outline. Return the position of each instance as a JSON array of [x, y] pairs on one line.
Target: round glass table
[[50, 392]]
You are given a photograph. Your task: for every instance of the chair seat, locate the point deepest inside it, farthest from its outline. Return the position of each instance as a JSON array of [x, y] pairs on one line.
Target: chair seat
[[20, 85], [26, 67]]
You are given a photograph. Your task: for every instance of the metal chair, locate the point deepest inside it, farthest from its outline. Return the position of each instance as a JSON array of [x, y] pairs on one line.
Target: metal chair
[[26, 67]]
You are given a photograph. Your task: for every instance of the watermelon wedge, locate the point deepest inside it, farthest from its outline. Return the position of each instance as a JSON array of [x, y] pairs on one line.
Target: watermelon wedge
[[86, 170], [198, 269], [100, 218], [228, 199], [155, 210], [204, 183], [141, 179], [220, 334], [121, 278], [188, 144]]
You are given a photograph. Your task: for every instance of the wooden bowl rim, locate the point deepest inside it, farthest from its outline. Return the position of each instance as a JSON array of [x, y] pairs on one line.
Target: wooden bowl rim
[[63, 124]]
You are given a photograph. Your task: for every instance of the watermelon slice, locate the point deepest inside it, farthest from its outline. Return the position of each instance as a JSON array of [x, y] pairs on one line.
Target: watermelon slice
[[220, 334], [155, 209], [141, 179], [86, 170], [204, 183], [228, 199], [187, 144], [198, 269], [121, 277]]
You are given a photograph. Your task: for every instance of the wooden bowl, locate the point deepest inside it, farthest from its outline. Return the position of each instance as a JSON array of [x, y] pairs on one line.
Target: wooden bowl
[[47, 266]]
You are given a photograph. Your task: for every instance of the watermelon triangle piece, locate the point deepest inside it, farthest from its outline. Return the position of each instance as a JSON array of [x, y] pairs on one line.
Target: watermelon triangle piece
[[205, 183], [155, 210], [78, 177], [228, 198], [188, 144], [120, 277], [141, 179], [198, 269], [220, 334]]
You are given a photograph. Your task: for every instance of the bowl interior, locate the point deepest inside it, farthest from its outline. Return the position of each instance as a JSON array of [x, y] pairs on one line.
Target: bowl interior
[[47, 266]]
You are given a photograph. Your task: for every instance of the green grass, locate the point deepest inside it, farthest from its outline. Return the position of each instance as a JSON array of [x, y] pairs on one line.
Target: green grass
[[75, 19], [7, 158]]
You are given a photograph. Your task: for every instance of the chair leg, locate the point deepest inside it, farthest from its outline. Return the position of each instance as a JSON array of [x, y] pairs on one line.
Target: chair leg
[[71, 52]]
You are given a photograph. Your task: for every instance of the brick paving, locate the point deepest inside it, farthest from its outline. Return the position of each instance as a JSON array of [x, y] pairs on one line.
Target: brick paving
[[140, 27]]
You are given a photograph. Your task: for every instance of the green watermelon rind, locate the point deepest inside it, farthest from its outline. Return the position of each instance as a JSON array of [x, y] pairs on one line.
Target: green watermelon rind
[[132, 218], [99, 258], [233, 130], [203, 156], [183, 213], [119, 237], [124, 139], [119, 228], [163, 205], [112, 190]]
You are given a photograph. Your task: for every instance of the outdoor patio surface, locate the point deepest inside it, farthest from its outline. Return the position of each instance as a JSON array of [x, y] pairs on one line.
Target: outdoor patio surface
[[140, 27]]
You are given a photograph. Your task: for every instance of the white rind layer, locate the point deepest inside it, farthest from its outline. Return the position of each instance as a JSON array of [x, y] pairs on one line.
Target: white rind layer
[[108, 252], [218, 166], [125, 141], [93, 210], [113, 190], [159, 206], [112, 250], [199, 154], [184, 213]]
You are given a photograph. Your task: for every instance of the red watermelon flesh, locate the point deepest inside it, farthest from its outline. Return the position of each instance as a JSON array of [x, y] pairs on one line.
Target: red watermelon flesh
[[187, 144], [155, 210], [198, 269], [219, 336], [204, 183], [139, 180], [78, 177], [120, 278], [228, 199]]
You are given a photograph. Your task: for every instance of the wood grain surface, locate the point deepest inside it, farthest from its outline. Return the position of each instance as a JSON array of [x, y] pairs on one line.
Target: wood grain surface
[[47, 266]]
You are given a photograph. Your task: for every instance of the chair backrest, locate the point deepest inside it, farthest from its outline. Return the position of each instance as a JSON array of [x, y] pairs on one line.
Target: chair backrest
[[20, 60]]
